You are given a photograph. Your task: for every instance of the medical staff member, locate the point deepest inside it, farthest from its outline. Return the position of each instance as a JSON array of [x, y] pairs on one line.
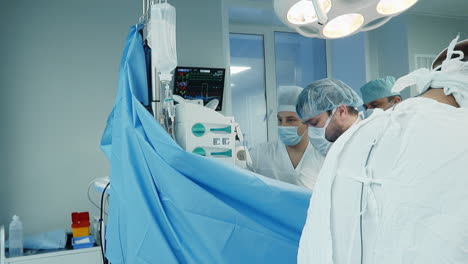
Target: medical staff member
[[393, 188], [328, 107], [378, 94], [292, 159]]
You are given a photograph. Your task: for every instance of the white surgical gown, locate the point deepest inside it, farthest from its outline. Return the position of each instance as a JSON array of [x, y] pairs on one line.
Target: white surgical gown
[[272, 160], [412, 193]]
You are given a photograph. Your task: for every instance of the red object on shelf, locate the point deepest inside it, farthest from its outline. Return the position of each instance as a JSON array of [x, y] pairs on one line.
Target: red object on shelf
[[80, 219]]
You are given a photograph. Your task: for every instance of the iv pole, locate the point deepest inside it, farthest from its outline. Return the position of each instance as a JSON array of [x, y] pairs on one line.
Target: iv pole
[[156, 99]]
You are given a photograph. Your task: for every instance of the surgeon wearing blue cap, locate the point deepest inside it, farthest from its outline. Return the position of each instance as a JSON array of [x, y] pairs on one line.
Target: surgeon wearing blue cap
[[328, 107], [292, 158], [378, 94]]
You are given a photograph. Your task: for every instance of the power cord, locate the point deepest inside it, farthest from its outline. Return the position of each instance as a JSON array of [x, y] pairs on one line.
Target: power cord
[[104, 259], [89, 188]]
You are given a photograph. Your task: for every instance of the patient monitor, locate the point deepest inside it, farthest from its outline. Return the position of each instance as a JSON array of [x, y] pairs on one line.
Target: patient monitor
[[203, 84]]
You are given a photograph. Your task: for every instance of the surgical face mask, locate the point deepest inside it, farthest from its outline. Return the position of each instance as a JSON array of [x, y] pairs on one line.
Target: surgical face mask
[[389, 105], [288, 135], [317, 137], [368, 112]]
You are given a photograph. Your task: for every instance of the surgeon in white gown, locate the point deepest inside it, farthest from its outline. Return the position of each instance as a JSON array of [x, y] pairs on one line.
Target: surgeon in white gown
[[292, 159], [393, 188]]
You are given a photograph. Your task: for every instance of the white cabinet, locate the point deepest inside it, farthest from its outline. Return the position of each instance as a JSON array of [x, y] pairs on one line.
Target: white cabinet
[[76, 256]]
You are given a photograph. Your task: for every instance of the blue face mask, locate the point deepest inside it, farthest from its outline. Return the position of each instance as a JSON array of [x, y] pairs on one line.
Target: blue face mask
[[288, 135], [317, 136]]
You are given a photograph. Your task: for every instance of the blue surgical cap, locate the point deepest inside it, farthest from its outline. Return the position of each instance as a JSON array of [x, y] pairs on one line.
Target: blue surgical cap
[[287, 97], [323, 95], [376, 89]]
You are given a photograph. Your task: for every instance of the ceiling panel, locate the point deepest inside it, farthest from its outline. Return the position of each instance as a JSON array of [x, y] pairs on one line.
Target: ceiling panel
[[253, 16], [446, 8]]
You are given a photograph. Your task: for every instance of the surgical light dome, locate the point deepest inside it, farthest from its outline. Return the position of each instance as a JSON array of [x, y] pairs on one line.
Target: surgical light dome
[[303, 12], [333, 19]]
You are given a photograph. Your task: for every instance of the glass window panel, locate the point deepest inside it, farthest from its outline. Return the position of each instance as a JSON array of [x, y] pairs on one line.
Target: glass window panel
[[248, 86], [299, 60]]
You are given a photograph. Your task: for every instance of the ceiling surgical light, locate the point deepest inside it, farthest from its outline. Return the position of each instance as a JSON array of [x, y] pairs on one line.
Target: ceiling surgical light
[[332, 19], [390, 7], [303, 12], [343, 26]]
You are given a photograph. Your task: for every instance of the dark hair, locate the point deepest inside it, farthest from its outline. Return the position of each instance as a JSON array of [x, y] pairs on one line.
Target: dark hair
[[352, 110], [463, 46]]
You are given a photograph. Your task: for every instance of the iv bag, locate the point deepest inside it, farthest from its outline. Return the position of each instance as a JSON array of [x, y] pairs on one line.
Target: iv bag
[[163, 39]]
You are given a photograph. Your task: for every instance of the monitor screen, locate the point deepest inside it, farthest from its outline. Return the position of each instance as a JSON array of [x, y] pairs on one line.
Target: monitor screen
[[200, 83]]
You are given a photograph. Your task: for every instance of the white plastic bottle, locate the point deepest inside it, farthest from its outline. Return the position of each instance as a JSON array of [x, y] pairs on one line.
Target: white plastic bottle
[[16, 237]]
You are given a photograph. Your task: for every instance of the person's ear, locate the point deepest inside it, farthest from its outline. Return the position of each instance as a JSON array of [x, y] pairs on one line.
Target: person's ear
[[342, 111], [396, 100]]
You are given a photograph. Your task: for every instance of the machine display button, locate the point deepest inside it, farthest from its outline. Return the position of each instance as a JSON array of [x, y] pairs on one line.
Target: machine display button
[[198, 130]]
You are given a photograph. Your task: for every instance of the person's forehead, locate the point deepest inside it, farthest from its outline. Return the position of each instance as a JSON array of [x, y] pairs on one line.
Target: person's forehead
[[285, 114], [315, 118]]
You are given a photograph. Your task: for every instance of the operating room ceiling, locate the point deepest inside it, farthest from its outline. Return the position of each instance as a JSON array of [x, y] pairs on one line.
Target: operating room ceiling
[[261, 11], [446, 8]]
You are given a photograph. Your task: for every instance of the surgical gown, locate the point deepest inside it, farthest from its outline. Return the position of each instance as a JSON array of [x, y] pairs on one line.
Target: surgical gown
[[272, 160], [405, 170]]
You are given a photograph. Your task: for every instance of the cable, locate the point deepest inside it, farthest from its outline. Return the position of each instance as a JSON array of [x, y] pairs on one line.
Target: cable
[[104, 259], [89, 187]]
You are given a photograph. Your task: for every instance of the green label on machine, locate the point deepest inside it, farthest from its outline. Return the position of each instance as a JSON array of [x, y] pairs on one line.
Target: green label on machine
[[199, 151], [224, 153], [198, 130], [223, 129]]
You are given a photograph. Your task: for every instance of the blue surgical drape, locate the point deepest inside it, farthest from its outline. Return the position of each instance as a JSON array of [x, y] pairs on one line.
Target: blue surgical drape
[[171, 206]]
